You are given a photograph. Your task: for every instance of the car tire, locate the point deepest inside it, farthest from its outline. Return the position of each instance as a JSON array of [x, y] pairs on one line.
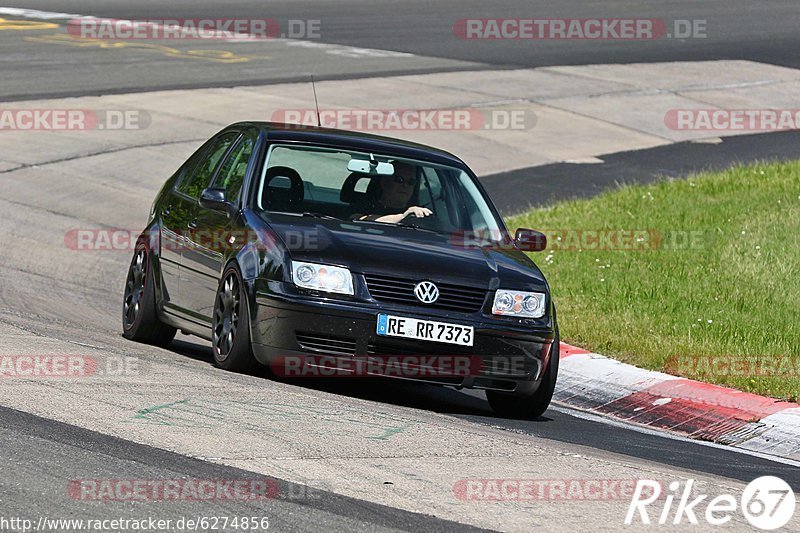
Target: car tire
[[532, 405], [140, 320], [230, 326]]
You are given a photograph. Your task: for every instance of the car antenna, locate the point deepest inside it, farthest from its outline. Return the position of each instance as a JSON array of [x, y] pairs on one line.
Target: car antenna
[[316, 103]]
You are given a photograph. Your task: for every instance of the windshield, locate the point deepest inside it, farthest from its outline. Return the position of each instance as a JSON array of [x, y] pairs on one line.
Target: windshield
[[316, 182]]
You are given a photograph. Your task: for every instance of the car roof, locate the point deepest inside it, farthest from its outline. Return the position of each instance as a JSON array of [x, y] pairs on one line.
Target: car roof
[[357, 141]]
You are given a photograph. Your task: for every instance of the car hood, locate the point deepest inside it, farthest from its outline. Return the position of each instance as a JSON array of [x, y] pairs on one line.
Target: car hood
[[405, 252]]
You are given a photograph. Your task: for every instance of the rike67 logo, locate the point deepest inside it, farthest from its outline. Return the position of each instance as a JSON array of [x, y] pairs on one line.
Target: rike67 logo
[[767, 503]]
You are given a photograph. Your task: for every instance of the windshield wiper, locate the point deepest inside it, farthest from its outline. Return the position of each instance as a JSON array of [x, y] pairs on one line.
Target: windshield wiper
[[315, 214], [400, 225], [311, 214], [415, 226]]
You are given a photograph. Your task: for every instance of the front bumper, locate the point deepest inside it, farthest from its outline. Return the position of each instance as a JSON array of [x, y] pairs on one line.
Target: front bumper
[[512, 354]]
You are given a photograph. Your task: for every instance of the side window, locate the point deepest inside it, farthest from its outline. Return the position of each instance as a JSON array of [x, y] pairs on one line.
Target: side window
[[197, 178], [475, 206], [231, 174]]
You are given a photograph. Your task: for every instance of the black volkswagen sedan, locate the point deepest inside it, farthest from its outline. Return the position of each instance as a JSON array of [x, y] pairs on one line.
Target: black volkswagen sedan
[[307, 249]]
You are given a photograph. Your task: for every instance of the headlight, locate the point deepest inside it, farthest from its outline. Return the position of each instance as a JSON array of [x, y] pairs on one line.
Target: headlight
[[519, 303], [322, 277]]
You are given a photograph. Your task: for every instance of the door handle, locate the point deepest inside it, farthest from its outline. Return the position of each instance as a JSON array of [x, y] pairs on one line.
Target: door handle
[[193, 224]]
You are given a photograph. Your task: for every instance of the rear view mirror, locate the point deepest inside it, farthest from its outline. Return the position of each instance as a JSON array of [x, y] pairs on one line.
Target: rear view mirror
[[364, 166], [529, 240]]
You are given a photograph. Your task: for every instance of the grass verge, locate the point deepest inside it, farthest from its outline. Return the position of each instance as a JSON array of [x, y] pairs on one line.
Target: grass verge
[[698, 277]]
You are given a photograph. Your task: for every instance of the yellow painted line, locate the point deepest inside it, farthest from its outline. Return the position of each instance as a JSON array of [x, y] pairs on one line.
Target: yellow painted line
[[219, 56], [25, 25]]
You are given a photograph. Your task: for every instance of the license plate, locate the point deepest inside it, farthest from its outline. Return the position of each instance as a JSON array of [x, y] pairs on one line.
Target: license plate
[[425, 330]]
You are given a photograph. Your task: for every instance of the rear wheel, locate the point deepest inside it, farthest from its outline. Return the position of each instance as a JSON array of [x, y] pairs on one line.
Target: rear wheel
[[140, 320], [230, 333], [532, 405]]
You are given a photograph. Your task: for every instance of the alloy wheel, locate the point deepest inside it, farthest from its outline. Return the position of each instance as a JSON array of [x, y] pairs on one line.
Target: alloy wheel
[[226, 316], [134, 287]]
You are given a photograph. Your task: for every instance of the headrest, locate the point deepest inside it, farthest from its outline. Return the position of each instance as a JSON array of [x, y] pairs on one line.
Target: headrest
[[282, 186], [349, 194]]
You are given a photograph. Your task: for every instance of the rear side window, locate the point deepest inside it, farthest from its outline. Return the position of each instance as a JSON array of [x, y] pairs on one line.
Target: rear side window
[[198, 177], [231, 174]]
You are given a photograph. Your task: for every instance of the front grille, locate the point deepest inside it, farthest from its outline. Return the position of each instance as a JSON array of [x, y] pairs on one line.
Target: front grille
[[494, 366], [419, 348], [451, 297], [327, 344], [508, 365]]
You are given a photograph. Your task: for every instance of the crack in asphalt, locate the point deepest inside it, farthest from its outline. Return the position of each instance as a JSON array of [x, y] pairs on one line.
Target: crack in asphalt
[[102, 152]]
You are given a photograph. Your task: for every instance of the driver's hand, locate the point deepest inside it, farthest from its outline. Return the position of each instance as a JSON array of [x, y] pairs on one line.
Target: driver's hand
[[419, 212]]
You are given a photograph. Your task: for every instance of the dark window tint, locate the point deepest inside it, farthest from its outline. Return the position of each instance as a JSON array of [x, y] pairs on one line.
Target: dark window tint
[[198, 176], [231, 174]]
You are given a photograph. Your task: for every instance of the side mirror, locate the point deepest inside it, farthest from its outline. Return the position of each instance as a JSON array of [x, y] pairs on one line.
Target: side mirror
[[529, 240], [215, 199]]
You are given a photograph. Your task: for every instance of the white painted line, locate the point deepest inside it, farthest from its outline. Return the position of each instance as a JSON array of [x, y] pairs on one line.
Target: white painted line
[[36, 14], [353, 52], [599, 368], [342, 50], [585, 161], [708, 140], [781, 437], [51, 15]]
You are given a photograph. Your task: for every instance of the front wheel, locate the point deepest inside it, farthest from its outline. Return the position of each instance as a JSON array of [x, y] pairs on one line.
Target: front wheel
[[140, 320], [532, 405], [230, 333]]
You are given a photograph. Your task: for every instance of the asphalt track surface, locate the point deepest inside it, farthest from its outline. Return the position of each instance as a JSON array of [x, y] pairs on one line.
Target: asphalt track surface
[[562, 181], [39, 455], [42, 455], [762, 31], [566, 425]]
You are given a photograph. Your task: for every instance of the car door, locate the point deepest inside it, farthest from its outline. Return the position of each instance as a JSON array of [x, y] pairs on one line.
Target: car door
[[172, 225], [182, 213], [204, 255]]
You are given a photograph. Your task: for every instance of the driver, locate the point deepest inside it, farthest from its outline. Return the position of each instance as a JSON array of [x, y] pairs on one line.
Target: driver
[[396, 191]]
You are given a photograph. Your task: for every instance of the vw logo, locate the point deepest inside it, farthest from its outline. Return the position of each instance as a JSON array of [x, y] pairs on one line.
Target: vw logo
[[426, 292]]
